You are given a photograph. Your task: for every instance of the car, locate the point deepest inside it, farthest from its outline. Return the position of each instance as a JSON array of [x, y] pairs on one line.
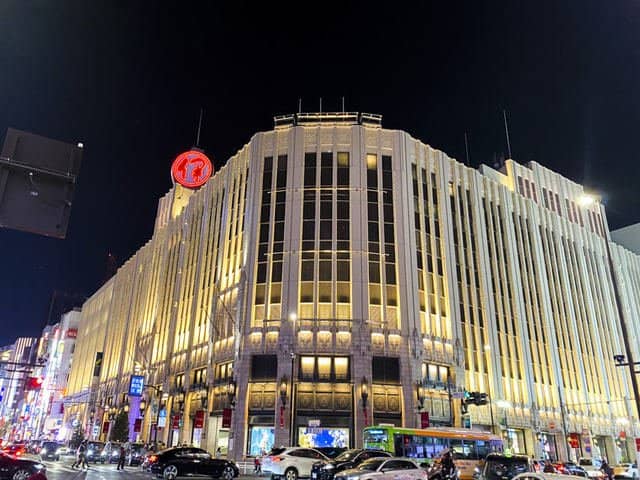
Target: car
[[592, 467], [110, 453], [625, 470], [16, 449], [49, 451], [291, 462], [135, 455], [346, 460], [330, 452], [93, 451], [543, 476], [14, 468], [65, 451], [384, 469], [497, 466], [190, 461], [569, 468]]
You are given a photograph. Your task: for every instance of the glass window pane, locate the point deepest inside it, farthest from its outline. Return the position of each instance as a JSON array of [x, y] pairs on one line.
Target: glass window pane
[[324, 271], [343, 159], [306, 367], [324, 368], [341, 365], [372, 161]]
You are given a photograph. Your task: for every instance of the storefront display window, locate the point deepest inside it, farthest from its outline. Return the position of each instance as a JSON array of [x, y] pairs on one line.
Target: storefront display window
[[312, 437]]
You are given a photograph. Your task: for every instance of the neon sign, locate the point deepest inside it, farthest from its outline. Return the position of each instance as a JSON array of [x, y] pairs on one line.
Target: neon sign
[[191, 169]]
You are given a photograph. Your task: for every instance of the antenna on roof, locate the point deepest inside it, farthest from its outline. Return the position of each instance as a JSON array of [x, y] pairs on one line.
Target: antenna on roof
[[199, 128], [342, 104], [506, 131], [300, 105], [320, 104], [466, 148]]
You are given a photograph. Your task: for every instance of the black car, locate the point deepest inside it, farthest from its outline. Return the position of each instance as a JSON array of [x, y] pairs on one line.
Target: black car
[[502, 467], [347, 459], [331, 452], [191, 461], [93, 451], [135, 455], [570, 468], [13, 468], [49, 451]]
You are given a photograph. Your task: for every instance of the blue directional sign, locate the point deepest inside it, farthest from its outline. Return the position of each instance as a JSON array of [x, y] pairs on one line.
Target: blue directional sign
[[136, 386]]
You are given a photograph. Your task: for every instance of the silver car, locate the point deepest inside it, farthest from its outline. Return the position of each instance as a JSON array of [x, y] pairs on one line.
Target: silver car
[[384, 469]]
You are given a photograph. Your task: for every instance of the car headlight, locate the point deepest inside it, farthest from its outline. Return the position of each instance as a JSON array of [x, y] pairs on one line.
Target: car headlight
[[59, 451], [43, 451], [90, 452], [114, 454], [329, 466]]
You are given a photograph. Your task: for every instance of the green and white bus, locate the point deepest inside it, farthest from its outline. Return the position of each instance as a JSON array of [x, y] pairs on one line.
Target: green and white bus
[[469, 447]]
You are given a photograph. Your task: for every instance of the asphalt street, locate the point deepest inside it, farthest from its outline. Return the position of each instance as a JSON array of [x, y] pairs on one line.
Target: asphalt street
[[61, 470]]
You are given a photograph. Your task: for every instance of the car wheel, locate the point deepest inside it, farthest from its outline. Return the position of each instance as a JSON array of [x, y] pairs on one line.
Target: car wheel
[[291, 474], [170, 472], [227, 473], [21, 474]]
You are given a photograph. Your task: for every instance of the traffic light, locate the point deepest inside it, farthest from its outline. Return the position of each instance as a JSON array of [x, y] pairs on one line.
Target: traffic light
[[482, 399], [475, 398], [34, 383]]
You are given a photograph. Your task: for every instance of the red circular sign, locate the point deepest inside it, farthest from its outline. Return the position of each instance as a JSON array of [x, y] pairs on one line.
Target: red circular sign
[[191, 169]]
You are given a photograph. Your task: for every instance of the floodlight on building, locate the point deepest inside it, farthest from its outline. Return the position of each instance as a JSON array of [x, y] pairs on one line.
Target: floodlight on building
[[586, 200]]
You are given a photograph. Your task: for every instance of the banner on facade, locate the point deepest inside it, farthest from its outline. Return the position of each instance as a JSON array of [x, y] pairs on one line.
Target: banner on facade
[[226, 418], [198, 421], [162, 418], [424, 419], [573, 440], [637, 444], [105, 427], [97, 366], [175, 422], [136, 386], [72, 333], [137, 426]]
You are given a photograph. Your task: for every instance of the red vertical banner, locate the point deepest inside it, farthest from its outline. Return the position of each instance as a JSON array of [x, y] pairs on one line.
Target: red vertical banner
[[226, 418], [281, 416], [198, 421], [105, 427], [637, 444], [366, 416], [175, 422], [424, 419], [137, 426]]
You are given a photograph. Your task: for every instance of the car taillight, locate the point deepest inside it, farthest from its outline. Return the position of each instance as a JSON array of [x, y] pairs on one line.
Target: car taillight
[[153, 458], [18, 453], [275, 459]]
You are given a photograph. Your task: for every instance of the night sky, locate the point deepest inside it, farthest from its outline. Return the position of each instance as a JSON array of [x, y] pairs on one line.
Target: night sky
[[128, 79]]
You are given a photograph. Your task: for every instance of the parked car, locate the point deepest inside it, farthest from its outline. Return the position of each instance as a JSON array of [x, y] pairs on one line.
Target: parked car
[[94, 451], [49, 451], [592, 467], [291, 462], [14, 468], [64, 451], [384, 469], [33, 446], [346, 460], [497, 466], [189, 461], [16, 449], [570, 468], [624, 471], [136, 453]]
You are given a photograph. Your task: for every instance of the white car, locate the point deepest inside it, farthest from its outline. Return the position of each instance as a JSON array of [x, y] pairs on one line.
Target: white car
[[291, 463], [543, 476], [592, 467], [625, 470], [383, 468]]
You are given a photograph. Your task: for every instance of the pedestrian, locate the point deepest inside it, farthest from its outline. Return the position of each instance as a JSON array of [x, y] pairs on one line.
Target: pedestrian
[[218, 453], [606, 469], [81, 457], [448, 467], [257, 466], [121, 458]]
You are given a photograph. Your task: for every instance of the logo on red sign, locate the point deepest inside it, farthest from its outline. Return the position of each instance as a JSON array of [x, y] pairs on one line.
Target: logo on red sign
[[424, 419], [226, 418], [191, 169], [72, 333]]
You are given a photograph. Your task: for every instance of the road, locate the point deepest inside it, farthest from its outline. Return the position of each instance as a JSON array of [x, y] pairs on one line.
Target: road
[[62, 470]]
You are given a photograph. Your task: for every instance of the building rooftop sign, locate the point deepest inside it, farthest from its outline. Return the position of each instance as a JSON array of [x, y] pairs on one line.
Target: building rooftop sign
[[191, 169]]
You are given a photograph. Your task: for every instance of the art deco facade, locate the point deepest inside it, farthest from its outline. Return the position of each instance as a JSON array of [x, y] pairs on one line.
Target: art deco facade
[[380, 275]]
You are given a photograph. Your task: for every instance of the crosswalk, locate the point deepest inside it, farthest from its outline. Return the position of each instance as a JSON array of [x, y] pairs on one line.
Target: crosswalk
[[64, 466]]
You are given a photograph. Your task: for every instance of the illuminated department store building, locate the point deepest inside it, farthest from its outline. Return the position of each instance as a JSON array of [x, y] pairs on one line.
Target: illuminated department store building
[[355, 276]]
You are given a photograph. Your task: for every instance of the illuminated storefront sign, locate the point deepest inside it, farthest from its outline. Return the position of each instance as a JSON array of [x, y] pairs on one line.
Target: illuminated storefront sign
[[191, 169]]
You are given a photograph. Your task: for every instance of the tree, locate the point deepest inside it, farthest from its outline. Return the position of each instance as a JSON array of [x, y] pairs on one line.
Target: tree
[[120, 430], [78, 435]]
